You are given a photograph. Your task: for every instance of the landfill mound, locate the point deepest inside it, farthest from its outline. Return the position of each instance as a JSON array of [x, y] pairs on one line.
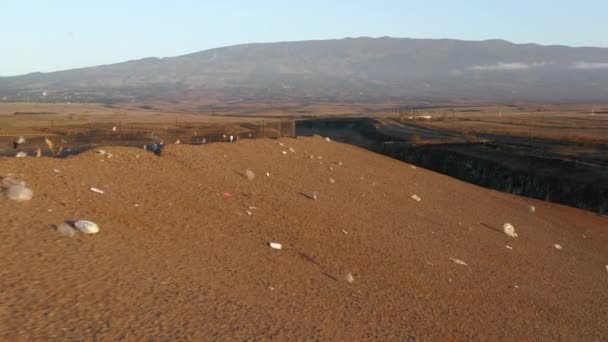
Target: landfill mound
[[295, 239]]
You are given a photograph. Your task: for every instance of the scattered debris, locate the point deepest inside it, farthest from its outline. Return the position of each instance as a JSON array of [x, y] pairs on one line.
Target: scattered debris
[[248, 212], [340, 163], [344, 231], [319, 157], [292, 150], [509, 247], [275, 245], [558, 247], [267, 174], [459, 262], [177, 142], [102, 152], [349, 278], [20, 140], [281, 144], [136, 205], [231, 138], [416, 198], [249, 175], [114, 129], [606, 268], [284, 152], [314, 195], [508, 229], [332, 181], [99, 191], [66, 230], [532, 209], [226, 194], [327, 139], [21, 154], [413, 167], [87, 227]]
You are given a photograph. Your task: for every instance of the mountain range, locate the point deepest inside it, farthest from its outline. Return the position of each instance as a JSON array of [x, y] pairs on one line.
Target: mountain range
[[351, 69]]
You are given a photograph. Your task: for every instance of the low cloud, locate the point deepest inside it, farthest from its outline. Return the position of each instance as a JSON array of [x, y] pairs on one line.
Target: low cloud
[[506, 66], [589, 66]]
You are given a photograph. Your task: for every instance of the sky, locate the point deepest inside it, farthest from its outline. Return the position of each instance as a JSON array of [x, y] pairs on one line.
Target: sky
[[64, 34]]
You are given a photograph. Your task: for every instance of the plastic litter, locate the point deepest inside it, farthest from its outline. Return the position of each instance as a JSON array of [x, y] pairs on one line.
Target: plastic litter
[[21, 154], [558, 247], [66, 230], [327, 139], [416, 198], [332, 181], [19, 193], [87, 227], [99, 191], [250, 175], [508, 229], [349, 278], [532, 209], [459, 262], [275, 245]]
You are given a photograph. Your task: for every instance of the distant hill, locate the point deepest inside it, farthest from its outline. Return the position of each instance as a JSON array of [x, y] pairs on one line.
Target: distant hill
[[351, 69]]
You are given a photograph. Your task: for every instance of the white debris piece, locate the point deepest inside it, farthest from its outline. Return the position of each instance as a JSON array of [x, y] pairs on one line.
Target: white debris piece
[[231, 138], [248, 212], [20, 140], [332, 181], [102, 152], [459, 262], [275, 245], [416, 198], [38, 153], [284, 152], [340, 163], [19, 193], [508, 229], [532, 209], [606, 268], [114, 129], [87, 227], [349, 278], [21, 154], [281, 144], [99, 191], [314, 195], [56, 171], [267, 174], [10, 180], [249, 175], [558, 246], [509, 247], [66, 230], [327, 139], [292, 150]]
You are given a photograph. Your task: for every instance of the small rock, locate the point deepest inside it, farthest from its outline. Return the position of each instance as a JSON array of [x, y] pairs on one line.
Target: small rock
[[275, 245], [19, 193], [532, 209], [344, 231], [340, 163], [327, 139], [281, 144], [558, 247], [99, 191], [416, 198], [177, 142], [250, 175], [459, 262], [102, 152], [508, 229], [284, 152], [267, 174], [332, 181], [66, 230], [349, 278], [314, 195], [248, 212], [87, 227], [311, 157], [10, 180], [509, 247], [292, 150], [21, 154], [413, 167]]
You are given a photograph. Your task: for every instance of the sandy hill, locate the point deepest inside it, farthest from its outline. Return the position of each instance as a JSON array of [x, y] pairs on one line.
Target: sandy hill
[[179, 257]]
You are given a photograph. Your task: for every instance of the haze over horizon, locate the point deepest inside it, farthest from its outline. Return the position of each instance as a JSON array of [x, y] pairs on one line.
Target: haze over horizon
[[69, 34]]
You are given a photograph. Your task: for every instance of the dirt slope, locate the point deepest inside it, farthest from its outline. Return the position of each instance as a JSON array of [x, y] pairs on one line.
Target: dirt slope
[[188, 262]]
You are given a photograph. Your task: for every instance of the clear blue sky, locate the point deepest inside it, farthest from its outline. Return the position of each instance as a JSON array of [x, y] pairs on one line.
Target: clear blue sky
[[61, 34]]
